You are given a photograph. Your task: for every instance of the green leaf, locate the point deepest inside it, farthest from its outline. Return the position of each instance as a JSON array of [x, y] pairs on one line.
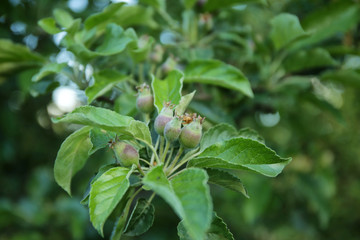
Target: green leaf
[[103, 17], [106, 192], [115, 40], [286, 28], [168, 89], [308, 59], [96, 117], [135, 15], [241, 153], [184, 103], [212, 111], [124, 16], [213, 5], [85, 200], [63, 18], [17, 56], [333, 18], [217, 73], [189, 3], [189, 196], [100, 139], [120, 223], [71, 157], [48, 69], [141, 218], [227, 180], [157, 4], [251, 134], [140, 49], [105, 80], [49, 25], [140, 131], [218, 230], [217, 134], [343, 76], [125, 104]]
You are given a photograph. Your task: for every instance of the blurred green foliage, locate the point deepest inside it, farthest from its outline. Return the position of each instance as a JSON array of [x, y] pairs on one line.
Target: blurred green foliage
[[302, 59]]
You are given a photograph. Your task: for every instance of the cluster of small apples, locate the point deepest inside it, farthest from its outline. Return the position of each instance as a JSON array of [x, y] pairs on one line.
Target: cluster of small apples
[[186, 128]]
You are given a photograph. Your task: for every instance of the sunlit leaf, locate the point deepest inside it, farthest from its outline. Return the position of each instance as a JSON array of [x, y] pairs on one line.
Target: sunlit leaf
[[217, 73], [71, 157], [184, 193], [106, 192], [105, 80], [241, 153], [167, 90]]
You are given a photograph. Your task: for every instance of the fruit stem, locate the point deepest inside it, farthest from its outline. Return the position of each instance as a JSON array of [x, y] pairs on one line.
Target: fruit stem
[[151, 198], [152, 149], [141, 72], [156, 148], [169, 157], [140, 169], [183, 161], [180, 151], [145, 161], [162, 141], [167, 146]]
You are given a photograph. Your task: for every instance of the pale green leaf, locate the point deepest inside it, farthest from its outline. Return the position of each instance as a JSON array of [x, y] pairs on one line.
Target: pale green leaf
[[96, 117], [184, 103], [217, 73], [218, 230], [140, 131], [71, 157], [48, 69], [49, 25], [227, 180], [141, 218], [241, 153], [286, 28], [63, 18], [106, 192], [167, 90], [188, 195], [105, 80], [142, 49]]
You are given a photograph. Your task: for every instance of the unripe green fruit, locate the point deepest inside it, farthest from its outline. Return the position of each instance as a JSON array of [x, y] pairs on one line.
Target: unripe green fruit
[[145, 100], [126, 154], [172, 129], [190, 135], [165, 116]]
